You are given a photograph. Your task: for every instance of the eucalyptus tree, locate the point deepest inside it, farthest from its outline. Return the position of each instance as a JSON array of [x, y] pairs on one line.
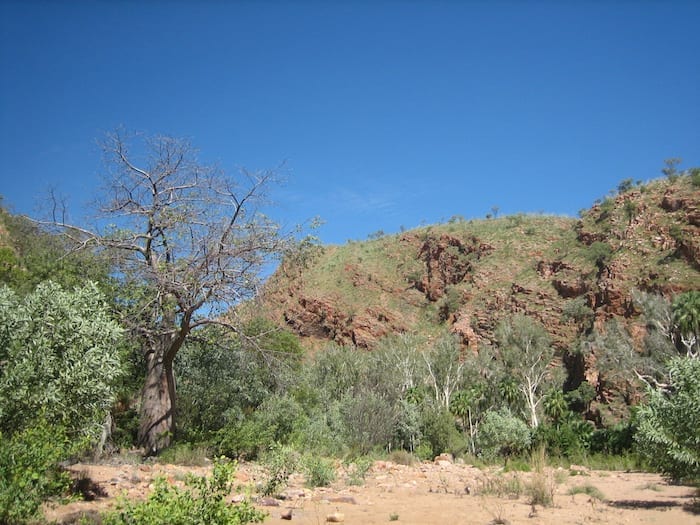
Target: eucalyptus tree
[[188, 241], [444, 368], [527, 353], [686, 318]]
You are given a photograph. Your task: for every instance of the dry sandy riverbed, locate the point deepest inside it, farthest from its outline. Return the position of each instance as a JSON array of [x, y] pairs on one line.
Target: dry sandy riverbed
[[440, 492]]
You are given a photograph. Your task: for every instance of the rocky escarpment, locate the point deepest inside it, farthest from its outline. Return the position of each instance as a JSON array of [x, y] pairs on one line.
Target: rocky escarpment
[[465, 276]]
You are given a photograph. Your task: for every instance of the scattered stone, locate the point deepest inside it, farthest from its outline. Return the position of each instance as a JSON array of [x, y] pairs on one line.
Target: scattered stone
[[286, 515], [579, 470], [238, 498], [269, 502], [290, 494], [343, 499], [444, 459], [336, 517]]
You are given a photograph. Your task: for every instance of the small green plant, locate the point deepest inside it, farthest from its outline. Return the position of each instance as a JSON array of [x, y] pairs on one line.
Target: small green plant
[[695, 177], [393, 517], [560, 476], [501, 485], [320, 472], [203, 500], [625, 185], [358, 469], [185, 454], [588, 489], [517, 465], [671, 168], [280, 461], [541, 487]]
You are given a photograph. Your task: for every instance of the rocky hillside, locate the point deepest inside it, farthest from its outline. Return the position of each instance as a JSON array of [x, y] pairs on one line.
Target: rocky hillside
[[465, 276]]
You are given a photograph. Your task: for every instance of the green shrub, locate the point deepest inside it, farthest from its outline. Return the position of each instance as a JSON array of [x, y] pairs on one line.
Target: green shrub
[[58, 350], [369, 421], [588, 489], [203, 500], [319, 472], [600, 253], [501, 434], [667, 435], [358, 469], [568, 438], [324, 431], [440, 434], [695, 177], [276, 420], [280, 462], [615, 440], [185, 454], [30, 471]]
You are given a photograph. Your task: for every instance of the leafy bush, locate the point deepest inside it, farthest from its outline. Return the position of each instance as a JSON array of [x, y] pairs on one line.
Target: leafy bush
[[58, 353], [280, 462], [319, 472], [275, 421], [369, 421], [358, 469], [30, 471], [440, 434], [324, 431], [668, 424], [569, 438], [600, 253], [203, 500], [615, 440], [501, 434], [695, 177], [407, 429], [222, 378]]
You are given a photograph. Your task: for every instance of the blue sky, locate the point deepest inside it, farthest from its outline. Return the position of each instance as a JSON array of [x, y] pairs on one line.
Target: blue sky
[[386, 114]]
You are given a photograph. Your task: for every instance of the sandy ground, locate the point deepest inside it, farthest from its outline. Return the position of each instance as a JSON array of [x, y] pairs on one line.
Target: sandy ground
[[440, 492]]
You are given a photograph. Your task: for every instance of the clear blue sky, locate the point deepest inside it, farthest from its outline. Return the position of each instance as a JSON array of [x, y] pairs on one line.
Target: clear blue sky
[[388, 114]]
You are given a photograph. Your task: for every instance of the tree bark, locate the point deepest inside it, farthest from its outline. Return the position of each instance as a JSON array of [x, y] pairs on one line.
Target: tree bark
[[157, 415]]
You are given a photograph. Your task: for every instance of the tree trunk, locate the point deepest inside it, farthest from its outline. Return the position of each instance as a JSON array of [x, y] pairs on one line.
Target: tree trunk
[[157, 421]]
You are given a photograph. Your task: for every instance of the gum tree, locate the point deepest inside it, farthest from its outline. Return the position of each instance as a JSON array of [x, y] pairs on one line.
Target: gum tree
[[686, 317], [527, 353], [187, 241]]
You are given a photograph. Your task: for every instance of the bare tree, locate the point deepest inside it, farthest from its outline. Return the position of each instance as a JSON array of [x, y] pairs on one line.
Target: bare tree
[[188, 242]]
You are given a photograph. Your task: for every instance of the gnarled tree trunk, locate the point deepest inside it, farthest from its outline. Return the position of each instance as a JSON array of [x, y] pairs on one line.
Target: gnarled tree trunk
[[157, 415]]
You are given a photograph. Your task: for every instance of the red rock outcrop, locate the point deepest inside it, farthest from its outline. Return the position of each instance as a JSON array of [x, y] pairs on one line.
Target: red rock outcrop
[[448, 260]]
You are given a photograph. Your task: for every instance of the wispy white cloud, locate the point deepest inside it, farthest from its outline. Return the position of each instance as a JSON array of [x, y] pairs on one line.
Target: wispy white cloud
[[367, 201]]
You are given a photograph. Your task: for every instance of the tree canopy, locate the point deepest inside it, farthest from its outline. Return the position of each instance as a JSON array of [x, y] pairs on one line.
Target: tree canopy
[[187, 242]]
